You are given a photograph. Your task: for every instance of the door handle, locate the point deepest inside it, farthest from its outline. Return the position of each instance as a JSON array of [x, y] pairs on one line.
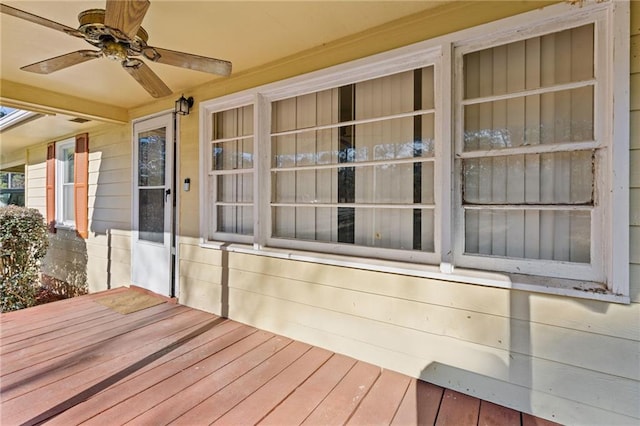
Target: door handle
[[166, 194]]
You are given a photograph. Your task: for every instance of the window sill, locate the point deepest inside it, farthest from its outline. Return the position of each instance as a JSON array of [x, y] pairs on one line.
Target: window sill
[[561, 287], [65, 227]]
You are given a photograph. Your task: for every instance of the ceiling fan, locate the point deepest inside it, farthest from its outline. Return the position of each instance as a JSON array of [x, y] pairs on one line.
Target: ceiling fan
[[117, 33]]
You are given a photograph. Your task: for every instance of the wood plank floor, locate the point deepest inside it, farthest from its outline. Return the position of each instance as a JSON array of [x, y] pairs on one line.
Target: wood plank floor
[[79, 362]]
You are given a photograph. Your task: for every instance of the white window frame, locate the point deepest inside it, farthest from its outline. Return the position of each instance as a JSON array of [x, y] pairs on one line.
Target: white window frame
[[408, 62], [60, 170], [208, 215], [601, 144], [609, 245]]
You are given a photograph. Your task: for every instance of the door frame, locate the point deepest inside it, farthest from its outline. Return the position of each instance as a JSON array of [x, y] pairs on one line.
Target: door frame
[[174, 263]]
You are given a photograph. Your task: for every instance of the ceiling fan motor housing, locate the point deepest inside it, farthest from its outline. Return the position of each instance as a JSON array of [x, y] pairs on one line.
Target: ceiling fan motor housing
[[113, 42]]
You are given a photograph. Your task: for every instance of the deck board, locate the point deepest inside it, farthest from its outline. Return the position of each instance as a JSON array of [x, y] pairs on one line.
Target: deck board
[[206, 373], [496, 415], [420, 404], [305, 399], [157, 372], [342, 401], [76, 361], [457, 409], [283, 353], [82, 341], [253, 408], [96, 363], [382, 401]]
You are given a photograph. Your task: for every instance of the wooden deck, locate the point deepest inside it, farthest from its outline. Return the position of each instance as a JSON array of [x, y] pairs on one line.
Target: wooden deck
[[76, 361]]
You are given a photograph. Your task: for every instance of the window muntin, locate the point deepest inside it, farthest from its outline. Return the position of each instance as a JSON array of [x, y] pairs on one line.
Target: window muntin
[[355, 164], [231, 172], [529, 152], [65, 154]]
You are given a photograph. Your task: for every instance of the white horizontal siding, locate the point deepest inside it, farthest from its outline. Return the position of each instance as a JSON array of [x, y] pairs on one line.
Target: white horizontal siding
[[109, 245], [499, 332], [35, 173], [544, 309], [200, 271]]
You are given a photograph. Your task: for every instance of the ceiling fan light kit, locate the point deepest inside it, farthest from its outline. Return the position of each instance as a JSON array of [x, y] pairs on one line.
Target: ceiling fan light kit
[[116, 31]]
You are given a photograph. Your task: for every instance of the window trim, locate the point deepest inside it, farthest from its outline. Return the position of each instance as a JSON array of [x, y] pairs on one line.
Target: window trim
[[615, 207]]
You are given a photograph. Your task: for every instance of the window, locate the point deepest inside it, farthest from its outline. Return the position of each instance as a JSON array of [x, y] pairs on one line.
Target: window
[[65, 211], [230, 173], [492, 149], [529, 155], [67, 184], [355, 165]]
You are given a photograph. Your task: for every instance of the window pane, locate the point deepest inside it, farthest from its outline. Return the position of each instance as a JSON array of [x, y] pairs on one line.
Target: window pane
[[384, 96], [314, 109], [558, 117], [68, 161], [558, 58], [395, 94], [231, 155], [561, 235], [403, 229], [151, 215], [235, 188], [151, 157], [235, 219], [382, 140], [385, 184], [394, 139], [306, 148], [68, 211], [232, 123], [305, 186], [552, 178]]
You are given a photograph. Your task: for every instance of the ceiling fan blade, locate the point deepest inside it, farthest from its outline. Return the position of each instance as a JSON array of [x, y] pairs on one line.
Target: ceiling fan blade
[[61, 62], [38, 20], [188, 60], [146, 77], [126, 15]]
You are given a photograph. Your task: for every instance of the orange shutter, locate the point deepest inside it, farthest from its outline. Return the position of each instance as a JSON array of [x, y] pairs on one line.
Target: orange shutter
[[51, 187], [81, 185]]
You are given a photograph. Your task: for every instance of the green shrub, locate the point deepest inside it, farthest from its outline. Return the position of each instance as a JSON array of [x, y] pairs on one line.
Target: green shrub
[[23, 242]]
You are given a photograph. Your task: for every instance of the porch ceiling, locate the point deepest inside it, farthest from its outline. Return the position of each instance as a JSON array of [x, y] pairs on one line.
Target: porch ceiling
[[247, 33]]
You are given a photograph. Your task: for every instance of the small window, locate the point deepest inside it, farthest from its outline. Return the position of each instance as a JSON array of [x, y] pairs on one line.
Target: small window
[[230, 173], [65, 212]]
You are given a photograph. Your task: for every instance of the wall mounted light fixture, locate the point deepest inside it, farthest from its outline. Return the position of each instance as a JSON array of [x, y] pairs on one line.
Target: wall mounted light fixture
[[183, 105]]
